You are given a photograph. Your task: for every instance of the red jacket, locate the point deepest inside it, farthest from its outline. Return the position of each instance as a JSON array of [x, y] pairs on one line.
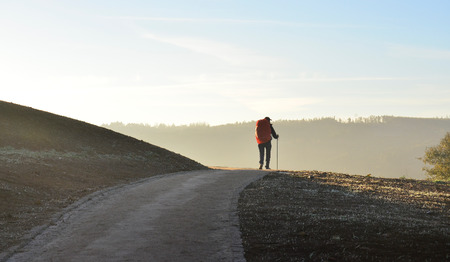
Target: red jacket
[[263, 131]]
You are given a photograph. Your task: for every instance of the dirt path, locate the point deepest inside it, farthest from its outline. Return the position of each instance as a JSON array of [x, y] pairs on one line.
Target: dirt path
[[188, 216]]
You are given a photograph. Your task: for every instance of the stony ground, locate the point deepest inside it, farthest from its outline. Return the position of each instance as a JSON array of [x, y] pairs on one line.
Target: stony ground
[[317, 216]]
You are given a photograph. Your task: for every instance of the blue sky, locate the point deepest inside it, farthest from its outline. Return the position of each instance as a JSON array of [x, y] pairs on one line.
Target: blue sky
[[222, 61]]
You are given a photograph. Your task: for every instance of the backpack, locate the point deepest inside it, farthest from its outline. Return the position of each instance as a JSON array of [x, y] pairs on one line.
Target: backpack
[[263, 131]]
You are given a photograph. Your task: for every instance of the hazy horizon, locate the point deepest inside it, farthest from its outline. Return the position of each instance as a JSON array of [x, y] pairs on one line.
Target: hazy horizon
[[355, 119], [219, 62], [383, 146]]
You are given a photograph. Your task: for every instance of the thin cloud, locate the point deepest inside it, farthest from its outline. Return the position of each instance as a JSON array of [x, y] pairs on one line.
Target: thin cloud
[[223, 51], [340, 79], [279, 105], [416, 52], [232, 21]]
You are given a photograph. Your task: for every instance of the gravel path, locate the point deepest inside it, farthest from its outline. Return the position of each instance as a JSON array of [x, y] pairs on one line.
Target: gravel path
[[189, 216]]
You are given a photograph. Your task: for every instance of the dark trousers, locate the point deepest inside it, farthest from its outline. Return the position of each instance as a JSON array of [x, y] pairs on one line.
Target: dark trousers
[[267, 146]]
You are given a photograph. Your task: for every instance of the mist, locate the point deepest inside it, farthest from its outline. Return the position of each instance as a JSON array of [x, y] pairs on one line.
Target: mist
[[383, 146]]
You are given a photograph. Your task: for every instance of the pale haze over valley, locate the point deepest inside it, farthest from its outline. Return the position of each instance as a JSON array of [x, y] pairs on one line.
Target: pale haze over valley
[[379, 146]]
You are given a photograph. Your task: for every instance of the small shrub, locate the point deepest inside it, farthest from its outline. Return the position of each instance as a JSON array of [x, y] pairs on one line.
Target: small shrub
[[439, 157]]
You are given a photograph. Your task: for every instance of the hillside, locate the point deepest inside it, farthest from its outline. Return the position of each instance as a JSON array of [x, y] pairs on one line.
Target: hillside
[[382, 146], [48, 161]]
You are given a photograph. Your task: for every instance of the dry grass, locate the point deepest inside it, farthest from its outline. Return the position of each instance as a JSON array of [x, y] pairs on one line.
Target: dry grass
[[317, 216]]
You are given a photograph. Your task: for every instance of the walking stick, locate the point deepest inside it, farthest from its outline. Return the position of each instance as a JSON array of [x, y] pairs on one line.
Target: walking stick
[[277, 151]]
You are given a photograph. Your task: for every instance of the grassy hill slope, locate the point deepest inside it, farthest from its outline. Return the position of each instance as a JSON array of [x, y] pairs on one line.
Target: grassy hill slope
[[48, 162]]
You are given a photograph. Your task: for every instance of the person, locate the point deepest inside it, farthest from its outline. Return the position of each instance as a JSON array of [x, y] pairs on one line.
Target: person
[[263, 133]]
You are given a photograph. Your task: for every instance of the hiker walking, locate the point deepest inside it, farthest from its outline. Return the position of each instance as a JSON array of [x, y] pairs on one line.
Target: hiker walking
[[263, 133]]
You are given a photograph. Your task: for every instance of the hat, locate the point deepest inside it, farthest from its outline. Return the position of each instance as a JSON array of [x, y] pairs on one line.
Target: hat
[[268, 118]]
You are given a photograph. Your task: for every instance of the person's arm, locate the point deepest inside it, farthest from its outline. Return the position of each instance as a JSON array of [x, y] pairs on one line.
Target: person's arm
[[274, 134]]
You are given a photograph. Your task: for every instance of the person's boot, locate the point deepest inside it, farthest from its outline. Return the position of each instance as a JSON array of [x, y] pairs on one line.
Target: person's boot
[[260, 166], [267, 165]]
